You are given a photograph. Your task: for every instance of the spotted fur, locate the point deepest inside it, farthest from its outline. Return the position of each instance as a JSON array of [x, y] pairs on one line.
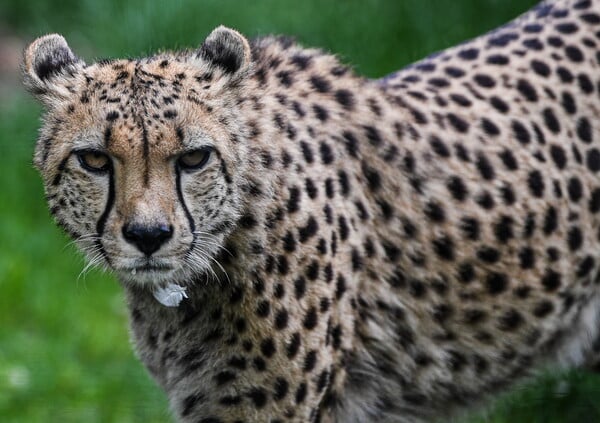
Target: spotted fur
[[353, 250]]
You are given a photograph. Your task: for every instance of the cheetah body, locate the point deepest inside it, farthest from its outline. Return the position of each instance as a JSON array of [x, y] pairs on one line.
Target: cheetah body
[[388, 250]]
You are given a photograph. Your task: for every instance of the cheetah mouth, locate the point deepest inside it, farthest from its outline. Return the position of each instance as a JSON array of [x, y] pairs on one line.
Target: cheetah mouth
[[151, 268], [148, 267]]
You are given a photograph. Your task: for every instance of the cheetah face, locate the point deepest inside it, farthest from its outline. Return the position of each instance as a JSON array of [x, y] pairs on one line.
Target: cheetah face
[[139, 158]]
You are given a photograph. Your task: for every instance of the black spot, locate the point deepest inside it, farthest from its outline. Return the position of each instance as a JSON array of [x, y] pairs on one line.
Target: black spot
[[345, 98], [503, 229], [593, 159], [586, 85], [309, 230], [551, 121], [529, 225], [508, 159], [267, 347], [258, 397], [460, 100], [550, 221], [502, 40], [540, 68], [496, 282], [558, 156], [543, 308], [454, 72], [575, 238], [263, 308], [527, 90], [351, 143], [247, 221], [485, 81], [306, 152], [568, 103], [344, 182], [301, 393], [439, 147], [499, 104], [434, 212], [594, 204], [289, 243], [372, 176], [320, 113], [311, 319], [224, 377], [591, 18], [469, 54], [340, 287], [112, 115], [458, 123], [470, 227], [189, 403], [293, 346], [373, 135], [498, 59], [169, 114], [457, 188], [485, 167], [444, 247], [322, 381], [574, 54], [510, 320], [327, 156], [551, 280], [310, 360], [488, 254], [229, 400], [521, 133], [392, 252], [259, 364], [584, 130], [281, 388], [485, 200], [565, 75], [527, 258], [320, 84], [575, 189], [533, 44], [536, 183]]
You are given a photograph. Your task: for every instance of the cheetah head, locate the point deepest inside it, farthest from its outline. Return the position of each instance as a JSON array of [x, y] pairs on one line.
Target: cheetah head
[[142, 159]]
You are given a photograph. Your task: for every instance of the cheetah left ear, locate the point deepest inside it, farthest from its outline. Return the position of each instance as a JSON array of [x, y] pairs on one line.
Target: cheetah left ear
[[227, 49], [48, 64]]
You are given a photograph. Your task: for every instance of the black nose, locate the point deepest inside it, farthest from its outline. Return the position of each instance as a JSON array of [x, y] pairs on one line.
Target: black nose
[[147, 239]]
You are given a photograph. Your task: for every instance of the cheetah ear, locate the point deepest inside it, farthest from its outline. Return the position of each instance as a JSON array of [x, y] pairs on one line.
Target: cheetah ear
[[47, 65], [227, 49]]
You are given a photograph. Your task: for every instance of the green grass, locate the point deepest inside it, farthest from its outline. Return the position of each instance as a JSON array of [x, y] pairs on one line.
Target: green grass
[[64, 349]]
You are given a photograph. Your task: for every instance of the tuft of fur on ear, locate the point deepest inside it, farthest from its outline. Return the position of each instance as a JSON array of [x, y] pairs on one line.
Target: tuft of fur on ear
[[46, 63], [227, 49]]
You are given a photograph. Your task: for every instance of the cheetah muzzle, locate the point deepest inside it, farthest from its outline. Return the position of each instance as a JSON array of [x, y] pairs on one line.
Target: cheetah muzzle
[[333, 248]]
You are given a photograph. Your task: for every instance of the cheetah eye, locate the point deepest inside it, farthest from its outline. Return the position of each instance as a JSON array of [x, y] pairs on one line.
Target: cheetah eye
[[93, 161], [194, 160]]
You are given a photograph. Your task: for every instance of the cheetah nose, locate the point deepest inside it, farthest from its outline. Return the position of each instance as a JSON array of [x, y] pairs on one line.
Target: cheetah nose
[[147, 239]]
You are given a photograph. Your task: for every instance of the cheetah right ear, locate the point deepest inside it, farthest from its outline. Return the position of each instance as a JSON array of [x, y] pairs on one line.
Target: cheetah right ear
[[48, 65], [227, 49]]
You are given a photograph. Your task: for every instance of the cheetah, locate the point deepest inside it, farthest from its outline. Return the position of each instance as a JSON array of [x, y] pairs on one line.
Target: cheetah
[[299, 243]]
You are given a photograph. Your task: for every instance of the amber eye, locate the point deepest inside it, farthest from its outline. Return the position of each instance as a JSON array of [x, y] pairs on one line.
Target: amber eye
[[194, 160], [94, 161]]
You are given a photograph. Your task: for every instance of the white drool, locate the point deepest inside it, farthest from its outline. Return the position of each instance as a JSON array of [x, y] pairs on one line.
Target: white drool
[[171, 295]]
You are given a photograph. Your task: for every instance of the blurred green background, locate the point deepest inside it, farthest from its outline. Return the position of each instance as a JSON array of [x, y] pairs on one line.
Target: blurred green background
[[64, 349]]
